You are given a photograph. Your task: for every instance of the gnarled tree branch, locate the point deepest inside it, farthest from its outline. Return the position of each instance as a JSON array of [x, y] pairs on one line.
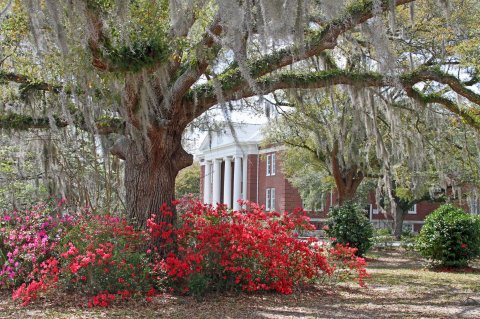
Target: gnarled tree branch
[[28, 83], [325, 39], [20, 122], [205, 94], [193, 72]]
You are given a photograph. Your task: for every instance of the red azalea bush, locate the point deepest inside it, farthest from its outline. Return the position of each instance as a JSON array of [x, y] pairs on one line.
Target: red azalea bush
[[250, 250], [346, 264], [215, 249], [105, 257]]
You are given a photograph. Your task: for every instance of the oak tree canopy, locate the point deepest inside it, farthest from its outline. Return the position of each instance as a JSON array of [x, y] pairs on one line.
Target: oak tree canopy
[[144, 70]]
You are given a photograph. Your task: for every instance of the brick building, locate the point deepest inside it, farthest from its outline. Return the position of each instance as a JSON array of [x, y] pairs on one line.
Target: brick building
[[413, 221], [237, 166]]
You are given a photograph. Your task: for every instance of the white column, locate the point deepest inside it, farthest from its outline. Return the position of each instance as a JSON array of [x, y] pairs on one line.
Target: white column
[[217, 180], [207, 183], [237, 180], [244, 177], [227, 186]]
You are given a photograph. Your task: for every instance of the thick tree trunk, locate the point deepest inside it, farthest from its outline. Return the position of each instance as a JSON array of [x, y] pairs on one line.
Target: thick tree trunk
[[398, 222], [148, 185], [152, 151], [152, 163], [346, 180], [346, 194]]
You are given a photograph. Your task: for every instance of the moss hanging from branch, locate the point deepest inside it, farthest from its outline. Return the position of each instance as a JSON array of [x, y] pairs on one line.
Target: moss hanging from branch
[[28, 84], [13, 121], [314, 80], [19, 122]]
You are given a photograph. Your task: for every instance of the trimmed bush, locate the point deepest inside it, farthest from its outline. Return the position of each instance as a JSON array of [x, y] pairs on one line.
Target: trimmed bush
[[383, 238], [450, 237], [348, 225], [408, 240]]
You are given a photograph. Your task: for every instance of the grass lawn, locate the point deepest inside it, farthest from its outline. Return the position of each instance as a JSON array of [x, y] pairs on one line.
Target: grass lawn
[[399, 287]]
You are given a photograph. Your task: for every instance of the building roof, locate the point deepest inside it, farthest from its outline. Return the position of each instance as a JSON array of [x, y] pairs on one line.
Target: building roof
[[243, 140]]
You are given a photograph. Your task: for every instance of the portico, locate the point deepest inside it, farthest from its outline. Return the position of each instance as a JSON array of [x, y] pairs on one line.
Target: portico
[[226, 166], [215, 185]]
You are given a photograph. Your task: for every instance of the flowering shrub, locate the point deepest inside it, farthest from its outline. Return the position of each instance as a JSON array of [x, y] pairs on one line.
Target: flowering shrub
[[249, 250], [103, 257], [100, 256], [450, 237], [47, 275], [345, 264], [28, 238]]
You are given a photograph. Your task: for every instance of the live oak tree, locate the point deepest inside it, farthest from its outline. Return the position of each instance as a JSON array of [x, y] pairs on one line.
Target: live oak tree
[[328, 151], [450, 161], [307, 127], [144, 70], [325, 125]]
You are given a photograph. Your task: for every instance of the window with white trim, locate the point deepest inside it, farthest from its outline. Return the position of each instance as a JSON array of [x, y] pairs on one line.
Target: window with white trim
[[413, 210], [269, 164], [270, 199], [271, 167], [267, 199], [408, 227], [306, 206]]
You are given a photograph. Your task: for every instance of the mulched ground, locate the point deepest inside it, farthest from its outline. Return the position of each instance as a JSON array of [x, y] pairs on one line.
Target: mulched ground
[[400, 287]]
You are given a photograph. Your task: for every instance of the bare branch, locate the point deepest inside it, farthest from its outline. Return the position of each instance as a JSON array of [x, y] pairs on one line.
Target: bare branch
[[444, 78]]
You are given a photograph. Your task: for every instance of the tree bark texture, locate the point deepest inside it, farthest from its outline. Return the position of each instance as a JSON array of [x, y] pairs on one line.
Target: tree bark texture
[[398, 222], [346, 180], [151, 165]]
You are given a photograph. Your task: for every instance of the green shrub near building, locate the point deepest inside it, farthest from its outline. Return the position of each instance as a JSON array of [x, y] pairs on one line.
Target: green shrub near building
[[348, 224], [450, 237]]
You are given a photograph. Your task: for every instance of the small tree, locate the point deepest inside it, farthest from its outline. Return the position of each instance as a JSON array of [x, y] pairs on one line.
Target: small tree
[[188, 181], [347, 224], [450, 237]]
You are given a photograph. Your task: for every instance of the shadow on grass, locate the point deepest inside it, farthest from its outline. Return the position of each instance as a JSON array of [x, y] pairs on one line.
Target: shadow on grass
[[376, 302]]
